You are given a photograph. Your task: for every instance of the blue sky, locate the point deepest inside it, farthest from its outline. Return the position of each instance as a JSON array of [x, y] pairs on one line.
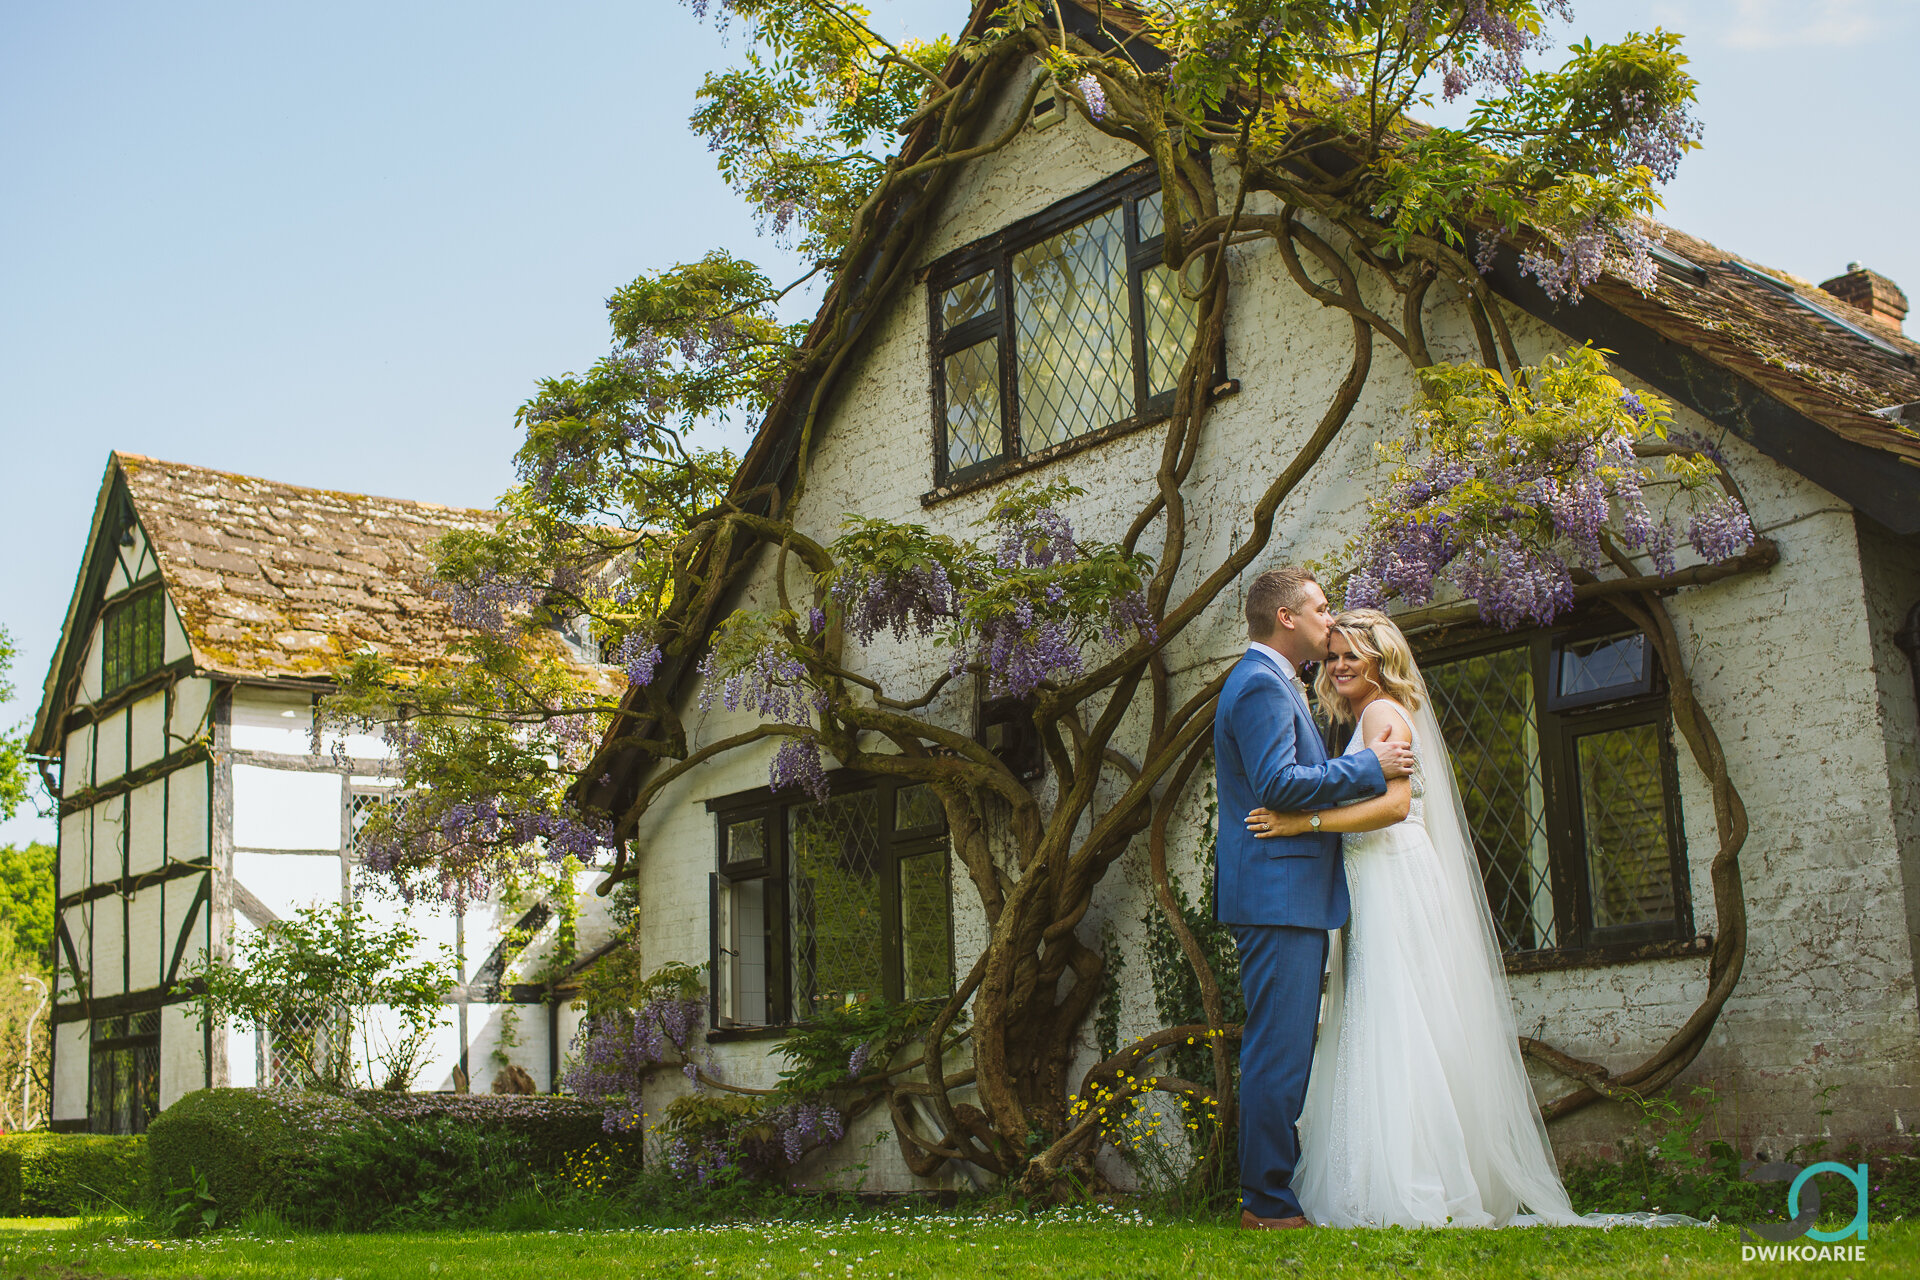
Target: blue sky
[[335, 245]]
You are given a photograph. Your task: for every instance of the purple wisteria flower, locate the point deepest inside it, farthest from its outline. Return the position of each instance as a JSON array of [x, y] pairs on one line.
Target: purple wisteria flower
[[797, 764], [1656, 137], [1088, 87], [488, 602], [775, 685], [640, 659], [1577, 264], [917, 602], [616, 1052], [1720, 530]]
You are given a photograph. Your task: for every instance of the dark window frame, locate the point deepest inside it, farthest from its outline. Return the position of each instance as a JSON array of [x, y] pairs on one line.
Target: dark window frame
[[773, 867], [1558, 724], [995, 253], [128, 655]]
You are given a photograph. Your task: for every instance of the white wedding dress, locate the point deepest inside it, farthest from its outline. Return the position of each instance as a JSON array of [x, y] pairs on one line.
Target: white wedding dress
[[1418, 1110]]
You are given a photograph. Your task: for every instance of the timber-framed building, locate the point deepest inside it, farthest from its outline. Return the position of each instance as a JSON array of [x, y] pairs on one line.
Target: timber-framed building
[[196, 801]]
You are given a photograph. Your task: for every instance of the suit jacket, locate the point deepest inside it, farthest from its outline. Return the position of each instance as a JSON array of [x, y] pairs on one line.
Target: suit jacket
[[1267, 751]]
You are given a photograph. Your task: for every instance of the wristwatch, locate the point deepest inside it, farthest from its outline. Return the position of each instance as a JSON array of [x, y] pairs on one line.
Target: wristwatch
[[1314, 821]]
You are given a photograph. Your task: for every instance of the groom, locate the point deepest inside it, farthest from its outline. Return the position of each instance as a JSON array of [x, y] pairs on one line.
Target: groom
[[1281, 895]]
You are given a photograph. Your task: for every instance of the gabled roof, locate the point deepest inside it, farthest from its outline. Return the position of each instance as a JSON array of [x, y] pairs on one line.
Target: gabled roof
[[271, 581]]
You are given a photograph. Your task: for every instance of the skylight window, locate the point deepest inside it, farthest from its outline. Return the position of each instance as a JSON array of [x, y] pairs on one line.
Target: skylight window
[[1830, 317], [1676, 263]]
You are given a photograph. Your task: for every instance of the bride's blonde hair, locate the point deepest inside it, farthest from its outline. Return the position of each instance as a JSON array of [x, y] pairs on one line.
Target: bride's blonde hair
[[1375, 636]]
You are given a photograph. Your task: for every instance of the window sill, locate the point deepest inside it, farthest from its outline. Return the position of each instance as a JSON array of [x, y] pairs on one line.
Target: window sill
[[728, 1035], [1617, 953], [1053, 453]]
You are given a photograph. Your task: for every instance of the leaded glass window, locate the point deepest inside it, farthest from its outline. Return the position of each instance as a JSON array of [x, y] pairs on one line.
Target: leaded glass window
[[1570, 793], [819, 905], [132, 640], [1059, 327], [1486, 710]]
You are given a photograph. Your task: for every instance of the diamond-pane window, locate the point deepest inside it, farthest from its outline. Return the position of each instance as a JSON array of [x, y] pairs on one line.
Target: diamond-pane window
[[1485, 708], [132, 640], [1570, 796], [1148, 212], [1601, 669], [926, 926], [967, 300], [1073, 341], [361, 806], [1173, 321], [1060, 326], [835, 886], [973, 404]]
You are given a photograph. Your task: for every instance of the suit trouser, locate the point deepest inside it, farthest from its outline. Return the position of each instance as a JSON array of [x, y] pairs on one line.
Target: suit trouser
[[1280, 968]]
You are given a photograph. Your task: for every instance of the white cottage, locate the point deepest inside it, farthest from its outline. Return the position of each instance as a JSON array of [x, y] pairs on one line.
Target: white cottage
[[1594, 830], [196, 803]]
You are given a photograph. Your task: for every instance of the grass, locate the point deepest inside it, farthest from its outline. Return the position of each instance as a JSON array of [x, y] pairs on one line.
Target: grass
[[1098, 1241]]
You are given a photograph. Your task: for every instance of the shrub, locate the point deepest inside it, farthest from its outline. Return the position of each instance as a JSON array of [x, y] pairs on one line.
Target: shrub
[[435, 1158], [422, 1171], [246, 1143], [61, 1174], [9, 1182], [553, 1126]]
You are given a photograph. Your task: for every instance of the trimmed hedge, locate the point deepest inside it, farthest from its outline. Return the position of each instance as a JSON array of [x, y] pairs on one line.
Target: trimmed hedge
[[9, 1182], [62, 1174], [247, 1143], [370, 1156], [556, 1125]]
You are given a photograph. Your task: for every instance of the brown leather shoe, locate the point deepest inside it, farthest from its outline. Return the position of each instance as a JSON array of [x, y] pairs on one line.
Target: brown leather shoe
[[1249, 1221]]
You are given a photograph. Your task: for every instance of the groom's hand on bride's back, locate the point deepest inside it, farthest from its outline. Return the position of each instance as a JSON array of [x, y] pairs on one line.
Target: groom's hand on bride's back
[[1396, 758]]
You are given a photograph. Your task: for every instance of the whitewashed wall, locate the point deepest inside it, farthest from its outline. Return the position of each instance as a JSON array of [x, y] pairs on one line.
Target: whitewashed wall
[[1785, 662], [291, 842]]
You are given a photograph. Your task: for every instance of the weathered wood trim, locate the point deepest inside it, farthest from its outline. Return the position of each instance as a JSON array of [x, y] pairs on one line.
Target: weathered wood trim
[[125, 886], [485, 985], [133, 781], [289, 853], [131, 1002], [351, 765], [258, 913], [219, 913], [201, 896]]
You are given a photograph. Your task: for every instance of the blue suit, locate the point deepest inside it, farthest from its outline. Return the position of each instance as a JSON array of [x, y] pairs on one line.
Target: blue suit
[[1281, 895]]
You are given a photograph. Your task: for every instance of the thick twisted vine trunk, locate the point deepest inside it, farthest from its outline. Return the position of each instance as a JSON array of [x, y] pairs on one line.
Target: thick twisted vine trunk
[[1648, 612]]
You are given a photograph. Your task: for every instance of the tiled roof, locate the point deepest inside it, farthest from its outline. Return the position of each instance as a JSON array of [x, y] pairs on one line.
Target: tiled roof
[[1749, 322], [273, 580]]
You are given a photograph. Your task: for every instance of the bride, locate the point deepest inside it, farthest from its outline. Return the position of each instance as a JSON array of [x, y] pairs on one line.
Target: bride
[[1418, 1110]]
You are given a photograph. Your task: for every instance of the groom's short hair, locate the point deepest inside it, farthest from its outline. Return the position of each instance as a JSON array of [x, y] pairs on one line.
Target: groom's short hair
[[1272, 591]]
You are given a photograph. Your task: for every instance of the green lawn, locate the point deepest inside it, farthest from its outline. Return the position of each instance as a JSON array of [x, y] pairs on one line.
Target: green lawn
[[1093, 1242]]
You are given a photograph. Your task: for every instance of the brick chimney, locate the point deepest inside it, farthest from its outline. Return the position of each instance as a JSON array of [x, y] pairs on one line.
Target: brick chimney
[[1870, 291]]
